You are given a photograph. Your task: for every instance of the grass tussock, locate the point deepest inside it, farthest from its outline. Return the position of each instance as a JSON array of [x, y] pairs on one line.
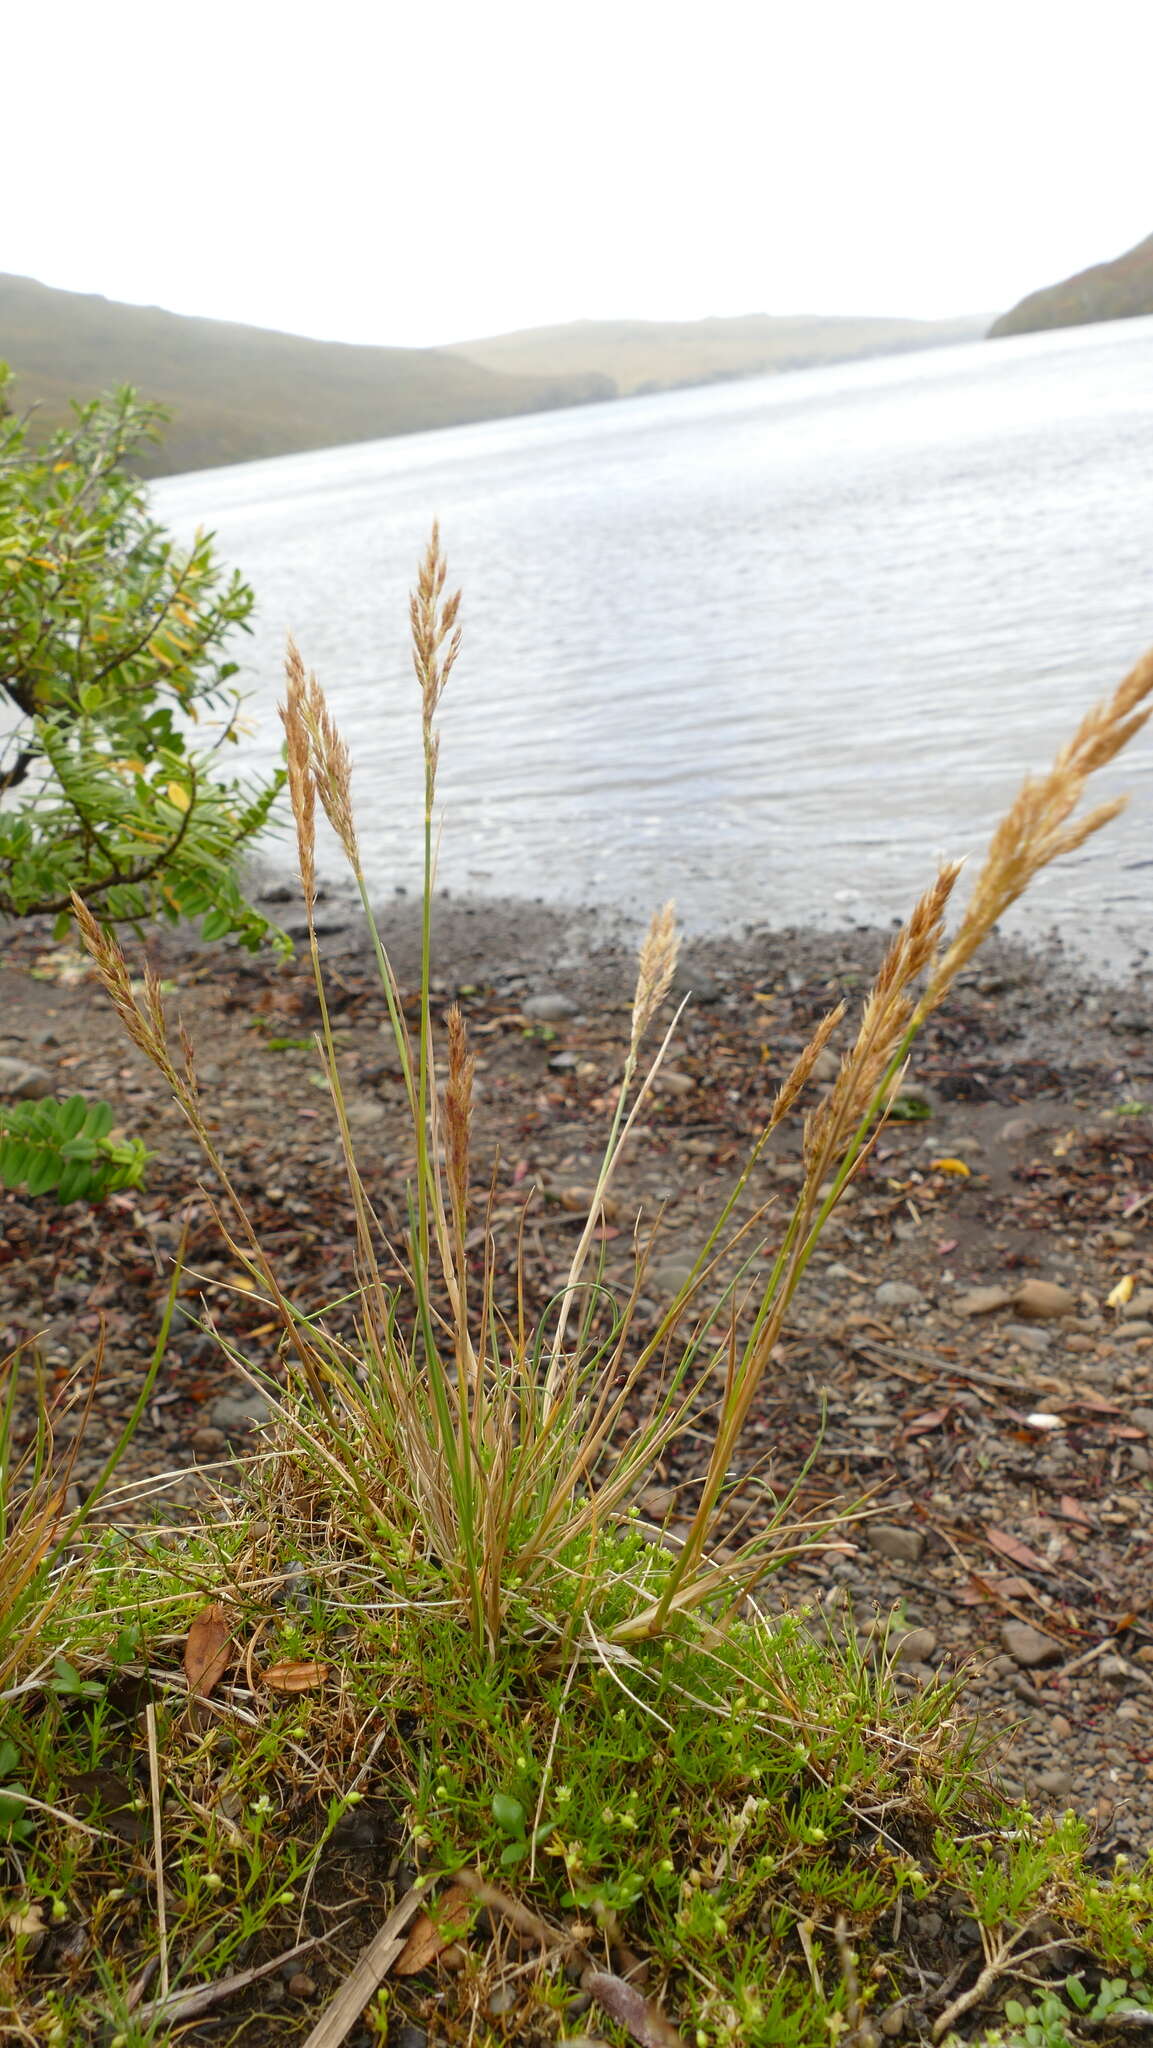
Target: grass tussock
[[472, 1442], [426, 1664]]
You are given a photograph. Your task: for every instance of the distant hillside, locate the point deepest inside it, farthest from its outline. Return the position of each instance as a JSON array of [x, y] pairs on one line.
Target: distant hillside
[[655, 355], [238, 393], [1121, 290]]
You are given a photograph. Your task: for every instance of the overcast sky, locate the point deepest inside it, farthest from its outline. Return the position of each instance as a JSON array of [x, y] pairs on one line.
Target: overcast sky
[[416, 171]]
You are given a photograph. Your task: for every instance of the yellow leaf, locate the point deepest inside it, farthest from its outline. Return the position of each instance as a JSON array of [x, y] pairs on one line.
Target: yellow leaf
[[178, 795], [951, 1166], [1121, 1292]]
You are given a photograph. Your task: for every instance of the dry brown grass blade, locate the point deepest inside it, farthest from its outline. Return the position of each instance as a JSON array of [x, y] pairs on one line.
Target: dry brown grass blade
[[157, 1845], [339, 2018]]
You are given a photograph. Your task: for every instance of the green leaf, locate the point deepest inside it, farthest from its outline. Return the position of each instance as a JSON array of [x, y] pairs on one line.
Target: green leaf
[[72, 1115], [508, 1813]]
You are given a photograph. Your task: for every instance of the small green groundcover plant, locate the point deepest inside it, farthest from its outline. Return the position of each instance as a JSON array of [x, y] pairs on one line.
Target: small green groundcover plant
[[67, 1149], [601, 1793]]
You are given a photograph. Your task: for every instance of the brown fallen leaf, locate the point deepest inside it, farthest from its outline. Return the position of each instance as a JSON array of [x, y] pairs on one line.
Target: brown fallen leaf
[[637, 2014], [1074, 1512], [293, 1676], [1011, 1546], [930, 1418], [207, 1651], [998, 1586], [450, 1919]]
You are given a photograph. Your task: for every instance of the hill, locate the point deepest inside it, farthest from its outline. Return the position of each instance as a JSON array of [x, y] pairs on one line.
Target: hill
[[1120, 290], [238, 393], [656, 355]]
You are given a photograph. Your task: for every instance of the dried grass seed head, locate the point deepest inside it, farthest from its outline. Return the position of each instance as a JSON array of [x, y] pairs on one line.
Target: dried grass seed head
[[1037, 828], [656, 967], [331, 769], [435, 632], [301, 787], [144, 1027]]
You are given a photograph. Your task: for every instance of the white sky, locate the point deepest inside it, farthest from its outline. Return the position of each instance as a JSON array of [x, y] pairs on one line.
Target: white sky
[[416, 171]]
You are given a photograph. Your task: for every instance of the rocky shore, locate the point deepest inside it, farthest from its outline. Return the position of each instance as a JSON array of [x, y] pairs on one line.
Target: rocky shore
[[979, 1326]]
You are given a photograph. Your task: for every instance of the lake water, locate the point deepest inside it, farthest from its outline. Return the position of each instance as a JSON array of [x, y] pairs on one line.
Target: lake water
[[769, 647]]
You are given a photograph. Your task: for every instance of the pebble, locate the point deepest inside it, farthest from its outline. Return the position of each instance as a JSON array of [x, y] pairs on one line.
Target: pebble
[[898, 1294], [301, 1985], [501, 2000], [1044, 1298], [1112, 1667], [1024, 1333], [1128, 1333], [982, 1301], [1017, 1129], [549, 1008], [1027, 1646], [1142, 1418], [238, 1411], [675, 1084], [668, 1276], [24, 1081], [1139, 1304], [889, 1540], [1058, 1780], [916, 1646]]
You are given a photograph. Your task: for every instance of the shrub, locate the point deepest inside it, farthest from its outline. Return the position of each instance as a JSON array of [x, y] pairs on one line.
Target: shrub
[[113, 644]]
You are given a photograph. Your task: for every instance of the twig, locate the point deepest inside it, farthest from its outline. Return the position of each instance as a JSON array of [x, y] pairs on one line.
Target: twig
[[158, 1847], [1005, 1956], [375, 1962], [184, 2005], [1086, 1657]]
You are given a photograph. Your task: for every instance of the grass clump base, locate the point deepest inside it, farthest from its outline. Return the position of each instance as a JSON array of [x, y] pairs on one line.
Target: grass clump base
[[750, 1836]]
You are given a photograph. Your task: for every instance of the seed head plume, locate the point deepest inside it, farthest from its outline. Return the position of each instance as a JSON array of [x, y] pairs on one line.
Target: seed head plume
[[144, 1024], [301, 784], [801, 1070], [655, 970], [435, 632], [1039, 827], [885, 1021], [331, 769]]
